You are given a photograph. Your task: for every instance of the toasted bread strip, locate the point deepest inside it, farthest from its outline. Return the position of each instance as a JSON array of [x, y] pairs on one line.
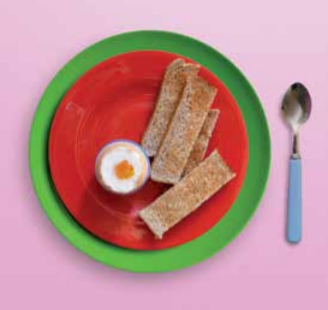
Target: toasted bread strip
[[187, 121], [188, 195], [171, 89], [198, 152]]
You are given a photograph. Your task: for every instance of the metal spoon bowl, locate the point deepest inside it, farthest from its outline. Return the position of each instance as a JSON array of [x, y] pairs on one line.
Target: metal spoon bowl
[[296, 105]]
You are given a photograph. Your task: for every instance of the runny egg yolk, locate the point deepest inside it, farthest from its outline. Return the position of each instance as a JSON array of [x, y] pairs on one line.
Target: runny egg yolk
[[124, 170]]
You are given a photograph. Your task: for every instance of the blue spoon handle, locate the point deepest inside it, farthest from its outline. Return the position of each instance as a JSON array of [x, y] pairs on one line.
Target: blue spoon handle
[[294, 213]]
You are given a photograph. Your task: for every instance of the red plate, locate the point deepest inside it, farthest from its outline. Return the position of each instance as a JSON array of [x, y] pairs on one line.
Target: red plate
[[114, 100]]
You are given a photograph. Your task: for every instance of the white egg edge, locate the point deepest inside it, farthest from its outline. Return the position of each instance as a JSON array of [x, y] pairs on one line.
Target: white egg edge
[[110, 158]]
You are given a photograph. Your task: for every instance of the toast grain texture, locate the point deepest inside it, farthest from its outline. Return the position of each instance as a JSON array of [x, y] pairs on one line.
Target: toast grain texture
[[188, 195], [174, 81], [200, 147], [186, 124]]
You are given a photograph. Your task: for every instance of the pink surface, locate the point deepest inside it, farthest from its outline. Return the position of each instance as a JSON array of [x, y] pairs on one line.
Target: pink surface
[[274, 43]]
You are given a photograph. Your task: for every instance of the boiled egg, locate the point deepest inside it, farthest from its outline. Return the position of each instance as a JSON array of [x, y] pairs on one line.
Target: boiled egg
[[122, 167]]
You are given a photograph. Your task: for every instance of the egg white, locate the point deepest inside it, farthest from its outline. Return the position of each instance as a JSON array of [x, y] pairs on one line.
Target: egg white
[[113, 158]]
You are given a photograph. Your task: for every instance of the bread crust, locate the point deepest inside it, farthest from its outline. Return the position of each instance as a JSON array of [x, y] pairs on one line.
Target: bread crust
[[188, 195], [200, 147], [172, 86], [182, 133]]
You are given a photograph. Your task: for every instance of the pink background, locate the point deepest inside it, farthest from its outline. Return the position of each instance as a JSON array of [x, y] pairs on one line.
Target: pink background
[[274, 43]]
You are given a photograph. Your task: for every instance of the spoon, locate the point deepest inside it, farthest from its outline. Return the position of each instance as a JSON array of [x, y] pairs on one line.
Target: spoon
[[296, 109]]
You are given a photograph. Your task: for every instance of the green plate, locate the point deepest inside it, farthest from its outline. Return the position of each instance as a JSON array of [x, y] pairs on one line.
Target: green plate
[[241, 211]]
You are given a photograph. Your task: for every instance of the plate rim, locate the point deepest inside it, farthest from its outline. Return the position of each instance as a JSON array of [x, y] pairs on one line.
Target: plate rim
[[65, 229]]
